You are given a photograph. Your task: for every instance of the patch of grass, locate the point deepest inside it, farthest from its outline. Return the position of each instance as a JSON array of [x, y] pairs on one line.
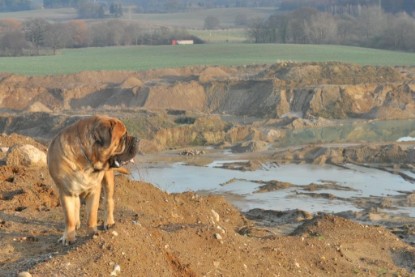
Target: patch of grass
[[382, 271], [139, 58], [61, 14]]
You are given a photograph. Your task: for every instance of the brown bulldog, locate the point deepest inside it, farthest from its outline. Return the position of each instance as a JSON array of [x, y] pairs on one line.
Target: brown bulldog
[[81, 158]]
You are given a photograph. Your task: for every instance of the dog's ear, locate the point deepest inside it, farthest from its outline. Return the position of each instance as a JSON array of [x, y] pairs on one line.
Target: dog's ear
[[102, 133]]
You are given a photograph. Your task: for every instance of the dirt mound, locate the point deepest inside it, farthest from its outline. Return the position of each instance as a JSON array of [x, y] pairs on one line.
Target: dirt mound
[[204, 130], [272, 186], [188, 96], [242, 166], [27, 194], [38, 107], [13, 139], [242, 133], [212, 73], [131, 82], [25, 155], [331, 90], [330, 73], [402, 154], [85, 78], [189, 235], [42, 126], [249, 146], [360, 101]]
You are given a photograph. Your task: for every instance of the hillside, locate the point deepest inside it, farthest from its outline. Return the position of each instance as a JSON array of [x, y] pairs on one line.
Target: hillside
[[279, 89], [289, 95]]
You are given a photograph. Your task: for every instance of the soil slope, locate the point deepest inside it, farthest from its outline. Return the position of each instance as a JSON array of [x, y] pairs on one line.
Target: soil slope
[[173, 107], [331, 90], [160, 234]]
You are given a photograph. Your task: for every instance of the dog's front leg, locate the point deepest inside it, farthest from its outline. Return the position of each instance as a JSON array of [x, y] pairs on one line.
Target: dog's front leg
[[68, 203], [92, 204], [77, 213]]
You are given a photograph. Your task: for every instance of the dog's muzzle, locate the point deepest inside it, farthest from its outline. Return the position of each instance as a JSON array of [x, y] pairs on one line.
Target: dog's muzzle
[[127, 156]]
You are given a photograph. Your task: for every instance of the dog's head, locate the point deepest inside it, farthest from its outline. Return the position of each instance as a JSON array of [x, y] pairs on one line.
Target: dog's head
[[111, 144]]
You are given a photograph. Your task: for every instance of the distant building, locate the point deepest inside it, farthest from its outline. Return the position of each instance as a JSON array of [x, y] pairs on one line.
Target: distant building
[[182, 41]]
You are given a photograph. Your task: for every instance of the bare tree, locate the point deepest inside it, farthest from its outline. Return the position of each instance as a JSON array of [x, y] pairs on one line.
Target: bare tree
[[211, 22], [241, 19], [407, 24], [78, 33], [347, 30], [107, 33], [116, 30], [92, 10], [56, 36], [9, 24], [322, 28], [295, 32], [13, 43], [399, 33], [35, 30], [98, 34], [255, 32], [371, 22], [277, 28], [132, 34]]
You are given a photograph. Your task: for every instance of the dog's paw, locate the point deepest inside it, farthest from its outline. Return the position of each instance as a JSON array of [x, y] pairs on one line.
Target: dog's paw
[[68, 237], [93, 231], [65, 241], [106, 227]]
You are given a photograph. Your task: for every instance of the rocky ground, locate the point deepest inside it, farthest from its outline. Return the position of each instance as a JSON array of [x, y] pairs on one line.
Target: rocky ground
[[186, 234]]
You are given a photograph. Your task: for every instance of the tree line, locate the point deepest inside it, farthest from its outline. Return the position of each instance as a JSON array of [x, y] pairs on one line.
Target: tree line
[[40, 37], [390, 6], [349, 6], [141, 5], [371, 27]]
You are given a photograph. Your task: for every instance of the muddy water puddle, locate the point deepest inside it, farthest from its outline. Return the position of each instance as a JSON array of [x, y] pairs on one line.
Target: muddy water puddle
[[306, 187]]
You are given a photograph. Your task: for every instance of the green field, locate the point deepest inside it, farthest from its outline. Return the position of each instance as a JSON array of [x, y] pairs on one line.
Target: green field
[[191, 19], [50, 14], [149, 57]]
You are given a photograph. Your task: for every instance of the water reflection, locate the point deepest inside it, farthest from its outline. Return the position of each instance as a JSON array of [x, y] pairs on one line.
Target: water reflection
[[362, 181]]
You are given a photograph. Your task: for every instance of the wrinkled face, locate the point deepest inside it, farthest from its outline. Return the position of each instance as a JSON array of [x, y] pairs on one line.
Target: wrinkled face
[[127, 150], [112, 143]]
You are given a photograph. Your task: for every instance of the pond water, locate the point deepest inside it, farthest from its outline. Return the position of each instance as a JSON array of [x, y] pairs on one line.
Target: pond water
[[240, 186]]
